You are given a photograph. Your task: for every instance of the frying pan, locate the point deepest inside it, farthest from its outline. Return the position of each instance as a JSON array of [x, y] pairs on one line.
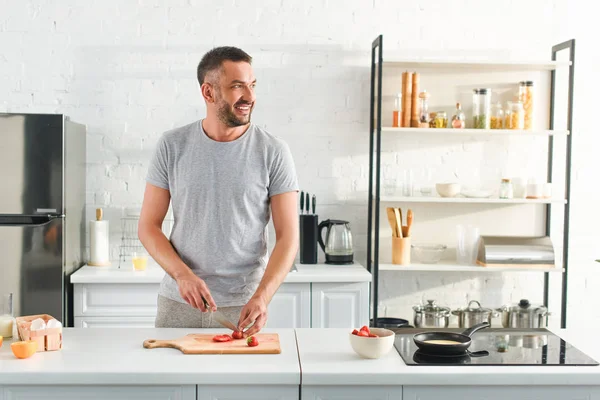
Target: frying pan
[[423, 358], [463, 340]]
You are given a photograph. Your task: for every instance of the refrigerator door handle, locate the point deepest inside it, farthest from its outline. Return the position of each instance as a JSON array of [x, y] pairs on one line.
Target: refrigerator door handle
[[29, 220]]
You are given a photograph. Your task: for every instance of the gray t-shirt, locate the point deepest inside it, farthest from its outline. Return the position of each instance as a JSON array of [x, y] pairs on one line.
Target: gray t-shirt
[[220, 197]]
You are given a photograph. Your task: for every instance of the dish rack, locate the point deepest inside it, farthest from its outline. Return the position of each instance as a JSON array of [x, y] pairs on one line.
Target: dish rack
[[130, 243], [48, 339]]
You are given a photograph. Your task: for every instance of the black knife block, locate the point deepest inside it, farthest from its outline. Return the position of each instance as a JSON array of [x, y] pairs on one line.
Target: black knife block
[[309, 229]]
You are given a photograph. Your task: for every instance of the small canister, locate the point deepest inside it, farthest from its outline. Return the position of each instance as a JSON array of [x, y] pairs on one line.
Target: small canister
[[481, 108]]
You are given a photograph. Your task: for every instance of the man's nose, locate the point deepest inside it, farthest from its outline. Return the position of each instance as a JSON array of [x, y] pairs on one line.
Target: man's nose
[[249, 94]]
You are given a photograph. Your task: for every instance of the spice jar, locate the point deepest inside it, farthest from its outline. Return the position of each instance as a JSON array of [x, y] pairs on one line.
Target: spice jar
[[423, 107], [506, 189], [458, 119], [432, 119], [441, 119], [497, 117], [396, 113], [515, 116], [526, 97], [481, 108]]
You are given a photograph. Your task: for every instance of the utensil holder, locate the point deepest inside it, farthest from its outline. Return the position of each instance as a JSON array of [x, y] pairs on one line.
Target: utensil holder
[[309, 231], [401, 250]]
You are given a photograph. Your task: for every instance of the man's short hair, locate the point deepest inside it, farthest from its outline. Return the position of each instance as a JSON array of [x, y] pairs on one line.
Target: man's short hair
[[213, 60]]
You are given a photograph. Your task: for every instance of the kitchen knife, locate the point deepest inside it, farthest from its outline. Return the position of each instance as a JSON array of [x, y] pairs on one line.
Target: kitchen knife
[[314, 204], [219, 317], [307, 203], [302, 202]]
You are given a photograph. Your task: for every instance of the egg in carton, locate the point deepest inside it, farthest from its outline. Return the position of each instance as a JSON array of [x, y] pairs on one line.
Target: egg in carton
[[43, 329]]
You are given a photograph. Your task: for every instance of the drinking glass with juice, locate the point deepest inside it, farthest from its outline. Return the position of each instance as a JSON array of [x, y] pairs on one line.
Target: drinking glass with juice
[[140, 261]]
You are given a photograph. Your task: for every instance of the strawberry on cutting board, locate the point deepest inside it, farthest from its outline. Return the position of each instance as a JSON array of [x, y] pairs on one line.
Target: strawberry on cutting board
[[252, 341]]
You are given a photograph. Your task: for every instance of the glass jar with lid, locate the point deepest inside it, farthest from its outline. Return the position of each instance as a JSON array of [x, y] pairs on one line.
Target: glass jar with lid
[[506, 189], [424, 109], [526, 97], [497, 118], [481, 108], [441, 119], [515, 115]]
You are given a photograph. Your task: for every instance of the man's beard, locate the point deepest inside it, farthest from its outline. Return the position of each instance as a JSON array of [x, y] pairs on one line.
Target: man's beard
[[228, 117]]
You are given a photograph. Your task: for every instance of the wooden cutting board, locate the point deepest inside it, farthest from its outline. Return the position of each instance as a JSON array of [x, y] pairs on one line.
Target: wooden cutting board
[[268, 343]]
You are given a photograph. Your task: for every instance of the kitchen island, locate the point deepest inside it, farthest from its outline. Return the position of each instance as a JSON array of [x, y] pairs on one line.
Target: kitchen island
[[313, 364]]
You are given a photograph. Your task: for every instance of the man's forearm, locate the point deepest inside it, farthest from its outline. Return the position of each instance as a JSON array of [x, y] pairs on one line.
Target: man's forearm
[[162, 251], [278, 267]]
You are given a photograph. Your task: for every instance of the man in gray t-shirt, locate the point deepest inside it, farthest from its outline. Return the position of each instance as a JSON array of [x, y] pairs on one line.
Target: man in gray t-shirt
[[225, 178]]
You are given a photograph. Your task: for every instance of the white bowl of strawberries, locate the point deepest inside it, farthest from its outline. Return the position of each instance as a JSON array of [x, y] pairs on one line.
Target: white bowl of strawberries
[[372, 342]]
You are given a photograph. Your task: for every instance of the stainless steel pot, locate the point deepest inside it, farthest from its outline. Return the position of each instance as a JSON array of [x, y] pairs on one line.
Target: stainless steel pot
[[524, 315], [431, 315], [469, 316]]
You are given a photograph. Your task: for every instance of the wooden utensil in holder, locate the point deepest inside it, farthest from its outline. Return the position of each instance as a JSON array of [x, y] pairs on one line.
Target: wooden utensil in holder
[[48, 339]]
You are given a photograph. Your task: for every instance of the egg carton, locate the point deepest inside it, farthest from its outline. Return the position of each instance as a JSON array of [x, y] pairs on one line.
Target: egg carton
[[48, 339]]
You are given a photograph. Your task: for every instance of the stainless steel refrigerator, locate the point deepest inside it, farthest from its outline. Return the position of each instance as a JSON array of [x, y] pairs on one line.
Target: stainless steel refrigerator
[[42, 211]]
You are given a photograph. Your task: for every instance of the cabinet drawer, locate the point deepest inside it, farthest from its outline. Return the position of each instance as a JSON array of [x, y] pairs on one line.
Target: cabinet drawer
[[114, 322], [108, 299]]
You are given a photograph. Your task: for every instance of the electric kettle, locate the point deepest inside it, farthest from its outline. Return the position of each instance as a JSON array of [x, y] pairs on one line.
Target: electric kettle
[[338, 241]]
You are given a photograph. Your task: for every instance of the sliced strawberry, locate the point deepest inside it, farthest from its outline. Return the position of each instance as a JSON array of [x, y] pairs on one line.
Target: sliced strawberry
[[355, 332], [363, 333], [222, 338], [237, 335], [252, 341], [372, 335], [366, 329]]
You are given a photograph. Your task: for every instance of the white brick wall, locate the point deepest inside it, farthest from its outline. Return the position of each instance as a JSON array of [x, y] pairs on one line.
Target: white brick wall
[[127, 70]]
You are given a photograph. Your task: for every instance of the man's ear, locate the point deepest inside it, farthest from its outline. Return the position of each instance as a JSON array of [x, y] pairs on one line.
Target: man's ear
[[208, 92]]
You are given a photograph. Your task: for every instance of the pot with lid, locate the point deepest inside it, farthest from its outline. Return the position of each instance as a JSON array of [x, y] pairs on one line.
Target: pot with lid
[[470, 316], [524, 315], [431, 315]]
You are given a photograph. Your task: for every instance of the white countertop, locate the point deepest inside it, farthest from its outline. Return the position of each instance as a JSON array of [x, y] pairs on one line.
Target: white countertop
[[105, 356], [155, 274], [327, 359]]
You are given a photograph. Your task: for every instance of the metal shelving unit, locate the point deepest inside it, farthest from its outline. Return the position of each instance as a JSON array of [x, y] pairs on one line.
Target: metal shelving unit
[[376, 130]]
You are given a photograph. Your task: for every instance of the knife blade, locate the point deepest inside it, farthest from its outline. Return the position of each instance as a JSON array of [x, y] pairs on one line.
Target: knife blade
[[307, 203], [302, 202], [314, 203], [219, 317]]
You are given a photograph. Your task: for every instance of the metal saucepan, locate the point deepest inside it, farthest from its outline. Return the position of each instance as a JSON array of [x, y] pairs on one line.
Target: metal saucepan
[[471, 316], [458, 342], [524, 315], [431, 315]]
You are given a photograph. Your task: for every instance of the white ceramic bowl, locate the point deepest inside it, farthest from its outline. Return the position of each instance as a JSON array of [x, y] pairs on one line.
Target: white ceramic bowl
[[447, 189], [368, 347]]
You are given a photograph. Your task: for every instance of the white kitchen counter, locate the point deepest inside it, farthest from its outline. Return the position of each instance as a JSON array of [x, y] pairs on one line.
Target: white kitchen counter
[[155, 274], [117, 357], [328, 359]]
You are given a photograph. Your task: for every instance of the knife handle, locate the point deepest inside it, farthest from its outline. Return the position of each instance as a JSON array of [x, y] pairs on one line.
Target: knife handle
[[314, 203], [307, 203], [301, 202]]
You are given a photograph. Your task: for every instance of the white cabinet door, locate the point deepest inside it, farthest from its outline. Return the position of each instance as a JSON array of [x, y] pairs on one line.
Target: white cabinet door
[[33, 392], [114, 322], [340, 305], [352, 392], [502, 392], [115, 299], [290, 307], [248, 392]]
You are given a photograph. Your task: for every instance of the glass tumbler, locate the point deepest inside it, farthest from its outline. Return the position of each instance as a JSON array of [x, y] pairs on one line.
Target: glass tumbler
[[466, 246], [6, 316]]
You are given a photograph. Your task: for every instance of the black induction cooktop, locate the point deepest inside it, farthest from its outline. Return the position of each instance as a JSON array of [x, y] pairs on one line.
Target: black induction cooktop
[[505, 347]]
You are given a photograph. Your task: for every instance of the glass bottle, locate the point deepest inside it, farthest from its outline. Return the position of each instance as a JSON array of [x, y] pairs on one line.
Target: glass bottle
[[6, 316], [526, 97], [458, 119], [423, 109], [497, 118], [506, 189], [396, 113], [481, 108], [441, 119], [516, 116]]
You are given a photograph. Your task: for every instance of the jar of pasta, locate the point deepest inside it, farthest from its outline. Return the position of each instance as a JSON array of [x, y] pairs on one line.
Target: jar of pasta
[[497, 118], [526, 97], [515, 116]]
